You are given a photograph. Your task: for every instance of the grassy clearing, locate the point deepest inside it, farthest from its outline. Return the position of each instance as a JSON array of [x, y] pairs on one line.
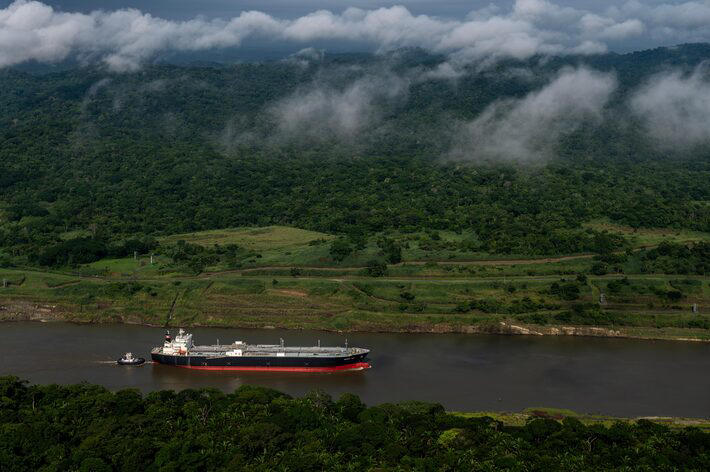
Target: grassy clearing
[[268, 246], [285, 246], [257, 239], [425, 254], [127, 266], [363, 303], [469, 293], [643, 237]]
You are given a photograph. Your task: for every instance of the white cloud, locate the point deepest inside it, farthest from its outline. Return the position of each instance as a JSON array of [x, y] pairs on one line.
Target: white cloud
[[590, 47], [684, 15], [607, 28], [321, 111], [675, 108], [668, 23], [527, 129], [124, 38]]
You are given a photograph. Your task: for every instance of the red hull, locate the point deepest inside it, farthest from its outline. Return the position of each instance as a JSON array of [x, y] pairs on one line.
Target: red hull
[[356, 366]]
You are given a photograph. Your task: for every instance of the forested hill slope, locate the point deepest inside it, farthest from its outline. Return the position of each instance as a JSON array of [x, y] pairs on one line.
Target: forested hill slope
[[522, 153]]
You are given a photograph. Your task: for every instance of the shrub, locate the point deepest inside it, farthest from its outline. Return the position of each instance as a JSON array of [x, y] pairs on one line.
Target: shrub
[[599, 268], [376, 268], [340, 249], [72, 252], [408, 296]]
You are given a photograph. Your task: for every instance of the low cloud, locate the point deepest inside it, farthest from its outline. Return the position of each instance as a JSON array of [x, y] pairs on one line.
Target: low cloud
[[675, 108], [527, 129], [123, 39], [322, 111]]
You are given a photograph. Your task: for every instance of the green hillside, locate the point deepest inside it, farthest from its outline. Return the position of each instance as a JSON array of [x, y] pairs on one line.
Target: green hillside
[[286, 277], [168, 150], [197, 168]]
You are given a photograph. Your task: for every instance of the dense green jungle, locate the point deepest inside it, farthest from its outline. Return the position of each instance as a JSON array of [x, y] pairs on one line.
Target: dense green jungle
[[172, 149], [349, 192], [511, 177]]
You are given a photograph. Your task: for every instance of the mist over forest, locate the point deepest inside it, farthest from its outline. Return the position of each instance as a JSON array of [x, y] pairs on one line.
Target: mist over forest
[[405, 101], [452, 169], [517, 124], [359, 143]]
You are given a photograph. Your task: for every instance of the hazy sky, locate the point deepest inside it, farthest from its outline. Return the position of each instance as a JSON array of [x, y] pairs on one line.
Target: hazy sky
[[184, 9], [125, 33]]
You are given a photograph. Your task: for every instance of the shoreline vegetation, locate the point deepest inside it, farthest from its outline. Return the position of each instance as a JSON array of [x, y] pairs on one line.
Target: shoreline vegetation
[[282, 277], [502, 328], [89, 427], [507, 418]]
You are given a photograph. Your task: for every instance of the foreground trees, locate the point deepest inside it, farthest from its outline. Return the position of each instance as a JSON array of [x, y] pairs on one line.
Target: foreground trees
[[86, 427]]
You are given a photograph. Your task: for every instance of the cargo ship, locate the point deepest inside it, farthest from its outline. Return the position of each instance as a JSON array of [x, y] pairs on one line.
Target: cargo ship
[[239, 356]]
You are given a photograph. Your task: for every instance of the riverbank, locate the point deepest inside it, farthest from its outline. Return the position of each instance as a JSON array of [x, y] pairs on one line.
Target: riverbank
[[559, 414], [31, 311], [561, 296]]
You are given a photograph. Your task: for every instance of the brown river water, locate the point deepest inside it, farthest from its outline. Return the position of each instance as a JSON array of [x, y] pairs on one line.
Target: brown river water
[[462, 372]]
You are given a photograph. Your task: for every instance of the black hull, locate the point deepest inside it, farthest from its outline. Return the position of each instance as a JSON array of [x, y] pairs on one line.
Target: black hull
[[136, 361], [265, 363]]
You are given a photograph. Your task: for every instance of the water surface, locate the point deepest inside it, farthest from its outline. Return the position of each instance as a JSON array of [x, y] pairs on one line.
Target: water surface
[[462, 372]]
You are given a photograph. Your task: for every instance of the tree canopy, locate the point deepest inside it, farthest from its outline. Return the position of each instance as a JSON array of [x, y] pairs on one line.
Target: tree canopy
[[173, 149], [88, 428]]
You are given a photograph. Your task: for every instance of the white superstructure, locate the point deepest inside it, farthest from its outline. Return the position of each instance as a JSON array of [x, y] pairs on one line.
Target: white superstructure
[[180, 345]]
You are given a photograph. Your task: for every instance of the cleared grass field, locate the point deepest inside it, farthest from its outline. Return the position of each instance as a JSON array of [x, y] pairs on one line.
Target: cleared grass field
[[439, 288], [644, 237], [257, 239], [425, 254], [637, 306], [271, 245], [127, 266]]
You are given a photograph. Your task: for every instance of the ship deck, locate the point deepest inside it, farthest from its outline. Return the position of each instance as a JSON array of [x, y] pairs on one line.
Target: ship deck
[[271, 351]]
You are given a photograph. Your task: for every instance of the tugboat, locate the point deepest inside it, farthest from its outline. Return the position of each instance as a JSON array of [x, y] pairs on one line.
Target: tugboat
[[128, 359], [239, 356]]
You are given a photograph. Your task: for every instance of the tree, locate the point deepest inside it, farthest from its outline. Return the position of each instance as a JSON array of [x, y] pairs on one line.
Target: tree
[[376, 268], [599, 268], [340, 248], [391, 250]]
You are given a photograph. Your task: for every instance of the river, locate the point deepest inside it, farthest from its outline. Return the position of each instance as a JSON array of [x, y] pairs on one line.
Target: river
[[620, 377]]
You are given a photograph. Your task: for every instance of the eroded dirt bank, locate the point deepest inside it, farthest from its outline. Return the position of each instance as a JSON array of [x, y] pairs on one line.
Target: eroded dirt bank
[[44, 312]]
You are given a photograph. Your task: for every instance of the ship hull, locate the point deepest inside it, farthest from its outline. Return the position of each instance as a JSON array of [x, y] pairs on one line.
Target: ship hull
[[263, 363]]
